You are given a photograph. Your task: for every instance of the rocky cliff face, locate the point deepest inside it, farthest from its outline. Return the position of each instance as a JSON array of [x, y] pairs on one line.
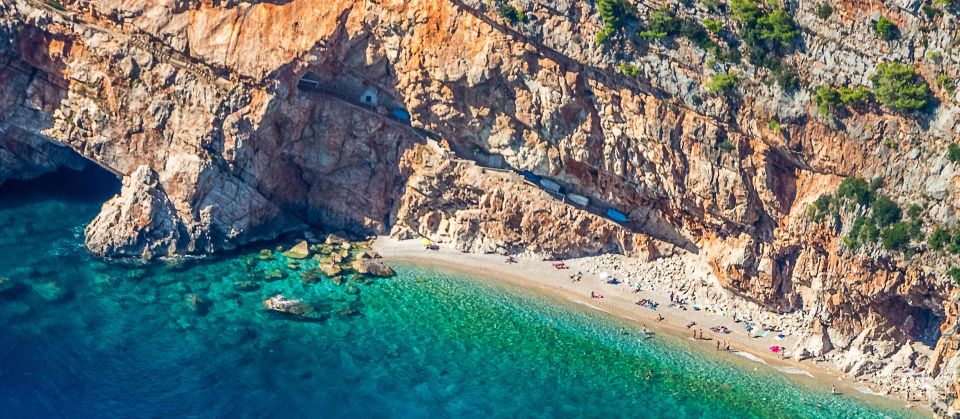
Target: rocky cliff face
[[234, 122]]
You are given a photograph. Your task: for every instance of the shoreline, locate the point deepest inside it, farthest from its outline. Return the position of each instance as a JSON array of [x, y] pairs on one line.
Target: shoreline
[[541, 278]]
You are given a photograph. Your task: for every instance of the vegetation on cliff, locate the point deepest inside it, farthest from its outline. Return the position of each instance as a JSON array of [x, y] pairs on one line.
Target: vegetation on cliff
[[879, 218], [898, 87], [614, 14]]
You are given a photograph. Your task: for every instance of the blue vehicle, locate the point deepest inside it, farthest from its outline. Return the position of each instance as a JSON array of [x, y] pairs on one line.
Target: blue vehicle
[[616, 215], [401, 114]]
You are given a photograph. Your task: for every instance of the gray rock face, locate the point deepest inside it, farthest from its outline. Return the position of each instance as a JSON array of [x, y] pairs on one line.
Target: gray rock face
[[140, 221]]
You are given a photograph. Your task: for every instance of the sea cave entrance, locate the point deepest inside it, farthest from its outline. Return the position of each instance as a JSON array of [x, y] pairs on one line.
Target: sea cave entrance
[[86, 188]]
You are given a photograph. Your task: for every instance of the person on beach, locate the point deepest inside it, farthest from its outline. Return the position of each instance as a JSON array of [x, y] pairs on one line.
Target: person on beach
[[833, 390], [718, 344], [660, 317]]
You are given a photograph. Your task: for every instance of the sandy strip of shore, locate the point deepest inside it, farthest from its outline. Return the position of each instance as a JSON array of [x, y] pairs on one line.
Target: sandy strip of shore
[[620, 300]]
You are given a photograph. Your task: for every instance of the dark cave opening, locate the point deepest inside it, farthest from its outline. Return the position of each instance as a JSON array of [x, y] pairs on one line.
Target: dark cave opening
[[90, 185], [926, 326]]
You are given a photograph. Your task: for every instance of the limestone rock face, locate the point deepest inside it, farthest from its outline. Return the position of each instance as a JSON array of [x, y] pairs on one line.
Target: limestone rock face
[[140, 220]]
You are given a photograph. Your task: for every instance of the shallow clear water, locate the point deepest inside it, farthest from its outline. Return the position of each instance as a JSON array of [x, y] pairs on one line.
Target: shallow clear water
[[87, 338]]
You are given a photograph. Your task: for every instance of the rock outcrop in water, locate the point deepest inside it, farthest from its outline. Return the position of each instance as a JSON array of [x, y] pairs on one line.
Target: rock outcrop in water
[[235, 122]]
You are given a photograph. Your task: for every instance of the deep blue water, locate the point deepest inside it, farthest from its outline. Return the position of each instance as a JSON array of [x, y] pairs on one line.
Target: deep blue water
[[86, 338]]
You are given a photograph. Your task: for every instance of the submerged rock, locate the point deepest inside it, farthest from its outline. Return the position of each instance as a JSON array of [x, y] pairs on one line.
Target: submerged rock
[[246, 285], [374, 267], [198, 304], [329, 268], [266, 254], [300, 251], [274, 274], [282, 304], [51, 292], [310, 276]]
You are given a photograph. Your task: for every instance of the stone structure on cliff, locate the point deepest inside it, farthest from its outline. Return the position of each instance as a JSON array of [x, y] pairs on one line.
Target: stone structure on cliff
[[233, 122]]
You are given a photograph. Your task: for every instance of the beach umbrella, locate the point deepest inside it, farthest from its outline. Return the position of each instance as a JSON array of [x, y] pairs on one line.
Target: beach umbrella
[[426, 241], [604, 275], [774, 349]]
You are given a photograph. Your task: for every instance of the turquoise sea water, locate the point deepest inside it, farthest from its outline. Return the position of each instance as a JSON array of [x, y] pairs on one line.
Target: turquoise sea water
[[92, 339]]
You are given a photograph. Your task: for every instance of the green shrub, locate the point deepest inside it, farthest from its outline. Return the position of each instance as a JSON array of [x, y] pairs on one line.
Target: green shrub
[[885, 28], [896, 236], [953, 152], [614, 15], [863, 231], [629, 69], [512, 15], [712, 5], [746, 12], [854, 96], [819, 209], [725, 145], [766, 35], [914, 211], [660, 24], [856, 190], [897, 86], [722, 83], [885, 211], [946, 83], [938, 238], [827, 100], [954, 273], [696, 33], [930, 11], [773, 125], [715, 26], [779, 26], [953, 246], [824, 10], [787, 78]]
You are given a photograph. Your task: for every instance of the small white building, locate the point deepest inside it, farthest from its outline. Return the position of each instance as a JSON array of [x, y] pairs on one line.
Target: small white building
[[370, 97]]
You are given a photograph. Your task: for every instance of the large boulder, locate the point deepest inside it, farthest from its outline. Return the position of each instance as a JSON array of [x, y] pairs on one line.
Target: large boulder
[[282, 304], [374, 267], [141, 221], [300, 251]]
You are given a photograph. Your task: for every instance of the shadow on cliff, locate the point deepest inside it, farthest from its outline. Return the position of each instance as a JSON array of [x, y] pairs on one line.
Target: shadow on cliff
[[89, 185], [33, 86]]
